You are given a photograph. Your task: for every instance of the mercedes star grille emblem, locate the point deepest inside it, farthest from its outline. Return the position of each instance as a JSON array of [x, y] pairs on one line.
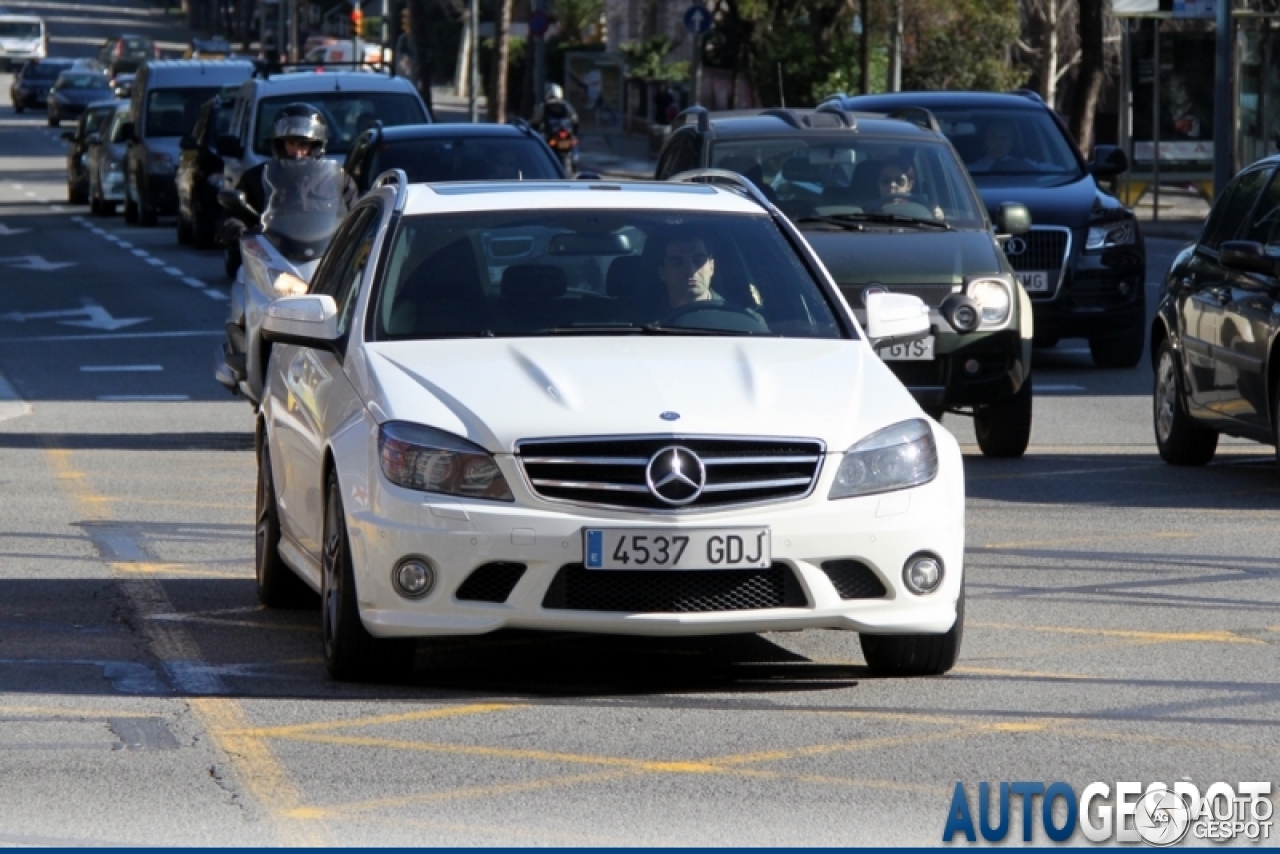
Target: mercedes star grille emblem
[[675, 475], [1015, 246]]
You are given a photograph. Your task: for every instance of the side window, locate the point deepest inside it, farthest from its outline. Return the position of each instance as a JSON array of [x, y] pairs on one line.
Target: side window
[[1264, 226], [341, 280], [1233, 208], [681, 155], [355, 165]]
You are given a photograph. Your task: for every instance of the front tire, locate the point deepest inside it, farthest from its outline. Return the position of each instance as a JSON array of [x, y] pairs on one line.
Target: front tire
[[1182, 440], [915, 655], [1004, 429], [278, 585], [184, 231], [351, 654]]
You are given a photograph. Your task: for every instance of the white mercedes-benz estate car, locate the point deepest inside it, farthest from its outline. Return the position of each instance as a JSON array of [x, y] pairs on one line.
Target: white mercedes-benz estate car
[[626, 408]]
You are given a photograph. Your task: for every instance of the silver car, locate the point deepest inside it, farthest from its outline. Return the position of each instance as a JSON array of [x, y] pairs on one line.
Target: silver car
[[106, 161]]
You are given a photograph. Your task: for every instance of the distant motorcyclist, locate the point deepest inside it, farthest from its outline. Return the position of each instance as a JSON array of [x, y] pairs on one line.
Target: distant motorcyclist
[[299, 131], [554, 107]]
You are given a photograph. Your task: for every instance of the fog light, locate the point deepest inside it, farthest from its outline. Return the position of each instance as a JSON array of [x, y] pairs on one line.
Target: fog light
[[1125, 287], [971, 366], [922, 574], [413, 577]]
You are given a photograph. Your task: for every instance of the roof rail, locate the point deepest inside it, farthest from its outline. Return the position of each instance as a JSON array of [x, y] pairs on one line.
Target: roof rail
[[522, 125], [836, 110], [783, 113], [918, 116], [265, 69], [703, 118], [741, 183], [397, 177], [1029, 93]]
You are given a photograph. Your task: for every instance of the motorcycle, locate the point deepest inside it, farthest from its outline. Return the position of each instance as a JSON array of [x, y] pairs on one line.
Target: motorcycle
[[304, 208], [559, 133]]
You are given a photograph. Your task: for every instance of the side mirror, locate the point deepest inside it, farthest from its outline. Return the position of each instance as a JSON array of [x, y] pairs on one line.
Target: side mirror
[[1247, 256], [93, 139], [126, 132], [1108, 161], [236, 203], [69, 136], [228, 145], [187, 144], [308, 320], [895, 319], [1013, 218]]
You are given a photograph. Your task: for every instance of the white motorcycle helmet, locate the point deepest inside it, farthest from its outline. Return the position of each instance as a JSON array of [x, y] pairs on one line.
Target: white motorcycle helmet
[[553, 92]]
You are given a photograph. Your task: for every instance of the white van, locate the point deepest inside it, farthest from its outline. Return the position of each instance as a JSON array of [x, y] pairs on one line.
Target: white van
[[22, 37]]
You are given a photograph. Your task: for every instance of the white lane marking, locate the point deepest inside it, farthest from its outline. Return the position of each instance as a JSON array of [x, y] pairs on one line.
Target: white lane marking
[[195, 283], [58, 208], [113, 336], [16, 186], [123, 244], [155, 262], [142, 253], [103, 369], [11, 405], [29, 194], [116, 398], [173, 271], [1051, 388], [215, 294]]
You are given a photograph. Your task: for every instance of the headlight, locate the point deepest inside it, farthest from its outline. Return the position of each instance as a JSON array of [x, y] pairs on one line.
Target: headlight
[[430, 460], [993, 298], [1111, 234], [896, 457]]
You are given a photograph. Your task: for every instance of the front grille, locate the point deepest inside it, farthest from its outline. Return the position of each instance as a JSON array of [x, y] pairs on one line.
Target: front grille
[[853, 579], [576, 588], [1046, 250], [611, 472], [492, 582]]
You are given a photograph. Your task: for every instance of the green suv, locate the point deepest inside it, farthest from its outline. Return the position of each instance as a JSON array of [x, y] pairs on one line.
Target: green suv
[[888, 206]]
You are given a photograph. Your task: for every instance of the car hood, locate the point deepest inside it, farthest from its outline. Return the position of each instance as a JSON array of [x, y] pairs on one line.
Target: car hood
[[1070, 205], [905, 257], [83, 96], [496, 392], [165, 145]]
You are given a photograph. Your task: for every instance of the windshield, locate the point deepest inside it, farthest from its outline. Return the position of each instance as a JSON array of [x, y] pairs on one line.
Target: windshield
[[19, 30], [474, 159], [588, 272], [304, 206], [42, 70], [118, 121], [347, 115], [997, 144], [816, 177], [174, 112], [67, 80]]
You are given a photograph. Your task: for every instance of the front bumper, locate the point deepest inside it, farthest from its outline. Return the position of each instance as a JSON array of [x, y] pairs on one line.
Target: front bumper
[[159, 191], [459, 537], [1101, 295], [967, 370], [31, 98], [113, 187]]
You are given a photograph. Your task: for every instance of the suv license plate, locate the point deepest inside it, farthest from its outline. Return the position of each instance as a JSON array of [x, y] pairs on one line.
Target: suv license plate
[[663, 548], [1035, 283], [911, 351]]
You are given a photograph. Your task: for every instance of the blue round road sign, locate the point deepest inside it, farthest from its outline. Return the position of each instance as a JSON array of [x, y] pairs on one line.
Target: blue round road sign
[[697, 19], [538, 22]]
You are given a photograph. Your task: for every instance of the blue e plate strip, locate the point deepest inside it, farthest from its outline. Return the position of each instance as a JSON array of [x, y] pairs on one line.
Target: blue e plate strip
[[595, 549]]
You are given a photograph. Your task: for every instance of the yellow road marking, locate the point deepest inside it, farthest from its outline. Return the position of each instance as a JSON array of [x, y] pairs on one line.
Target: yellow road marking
[[1129, 634], [176, 569], [1026, 674], [380, 720]]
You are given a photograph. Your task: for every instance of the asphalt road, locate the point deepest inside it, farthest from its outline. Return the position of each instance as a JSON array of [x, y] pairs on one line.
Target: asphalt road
[[1122, 620]]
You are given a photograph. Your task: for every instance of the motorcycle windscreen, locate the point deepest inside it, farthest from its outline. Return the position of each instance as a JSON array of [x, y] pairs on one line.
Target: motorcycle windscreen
[[304, 206]]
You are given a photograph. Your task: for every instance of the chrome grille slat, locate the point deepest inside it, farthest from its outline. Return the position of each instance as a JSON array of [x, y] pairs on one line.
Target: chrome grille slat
[[611, 472]]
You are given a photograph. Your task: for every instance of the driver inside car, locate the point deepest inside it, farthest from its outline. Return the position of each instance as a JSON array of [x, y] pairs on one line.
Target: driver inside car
[[687, 268]]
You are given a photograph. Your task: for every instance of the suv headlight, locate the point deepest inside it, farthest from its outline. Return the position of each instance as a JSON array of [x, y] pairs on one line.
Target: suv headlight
[[994, 297], [431, 460], [896, 457], [1110, 234]]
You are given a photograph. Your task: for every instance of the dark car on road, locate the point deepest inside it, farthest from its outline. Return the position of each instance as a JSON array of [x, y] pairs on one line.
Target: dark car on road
[[1215, 339], [74, 90], [79, 143], [30, 86], [1083, 263], [887, 205], [123, 53], [452, 152], [200, 173]]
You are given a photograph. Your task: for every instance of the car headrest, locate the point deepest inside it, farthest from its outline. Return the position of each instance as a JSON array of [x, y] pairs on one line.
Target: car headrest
[[628, 277], [534, 282]]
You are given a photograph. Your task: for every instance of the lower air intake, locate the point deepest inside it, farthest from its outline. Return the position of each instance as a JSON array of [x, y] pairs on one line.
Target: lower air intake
[[492, 582], [853, 579], [576, 588]]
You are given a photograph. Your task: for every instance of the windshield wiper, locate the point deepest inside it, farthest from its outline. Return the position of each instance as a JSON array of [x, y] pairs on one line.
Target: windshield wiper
[[835, 220], [892, 219], [635, 329]]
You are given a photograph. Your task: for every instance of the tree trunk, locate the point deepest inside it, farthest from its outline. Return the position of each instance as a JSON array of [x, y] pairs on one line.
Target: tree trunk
[[1049, 54], [1088, 89], [499, 110], [864, 49], [420, 38]]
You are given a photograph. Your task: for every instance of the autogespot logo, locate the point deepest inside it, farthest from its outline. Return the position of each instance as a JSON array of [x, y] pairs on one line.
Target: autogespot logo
[[1156, 814]]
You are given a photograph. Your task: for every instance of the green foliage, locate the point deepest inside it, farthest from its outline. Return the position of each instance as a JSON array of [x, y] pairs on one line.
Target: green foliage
[[576, 17], [968, 51], [647, 59]]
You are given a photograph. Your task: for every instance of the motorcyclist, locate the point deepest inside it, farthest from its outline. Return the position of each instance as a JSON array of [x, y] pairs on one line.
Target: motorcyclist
[[297, 132], [553, 107]]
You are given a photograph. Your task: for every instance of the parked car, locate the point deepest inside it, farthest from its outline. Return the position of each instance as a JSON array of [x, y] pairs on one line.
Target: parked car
[[79, 142], [200, 173], [931, 237], [211, 48], [30, 86], [106, 161], [715, 449], [1216, 334], [452, 152], [22, 38], [73, 91], [122, 84], [351, 102], [126, 53], [1084, 262], [166, 101]]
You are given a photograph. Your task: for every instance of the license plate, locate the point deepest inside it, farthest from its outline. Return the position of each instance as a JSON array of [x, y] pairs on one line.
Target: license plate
[[1034, 283], [661, 548], [911, 351], [564, 143]]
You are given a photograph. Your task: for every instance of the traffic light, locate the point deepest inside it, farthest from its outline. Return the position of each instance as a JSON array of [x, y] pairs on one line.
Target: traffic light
[[404, 20], [357, 19]]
